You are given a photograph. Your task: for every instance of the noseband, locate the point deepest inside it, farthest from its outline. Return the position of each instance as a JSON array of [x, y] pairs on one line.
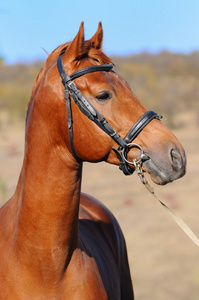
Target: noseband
[[85, 106]]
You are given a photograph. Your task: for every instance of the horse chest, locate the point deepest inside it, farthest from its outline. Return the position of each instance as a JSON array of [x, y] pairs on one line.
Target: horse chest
[[82, 280]]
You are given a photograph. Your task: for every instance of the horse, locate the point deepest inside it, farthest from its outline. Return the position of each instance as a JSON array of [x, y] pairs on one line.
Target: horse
[[57, 243]]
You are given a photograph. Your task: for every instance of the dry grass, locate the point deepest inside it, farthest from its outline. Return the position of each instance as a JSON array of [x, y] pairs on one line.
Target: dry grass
[[164, 262]]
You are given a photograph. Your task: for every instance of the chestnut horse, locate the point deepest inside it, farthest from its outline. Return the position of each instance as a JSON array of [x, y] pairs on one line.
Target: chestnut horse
[[55, 242]]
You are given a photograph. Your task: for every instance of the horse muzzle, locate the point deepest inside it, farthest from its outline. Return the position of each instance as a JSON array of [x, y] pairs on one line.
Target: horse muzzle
[[168, 168]]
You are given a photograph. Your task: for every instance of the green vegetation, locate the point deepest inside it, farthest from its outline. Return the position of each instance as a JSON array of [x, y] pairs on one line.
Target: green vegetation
[[165, 82]]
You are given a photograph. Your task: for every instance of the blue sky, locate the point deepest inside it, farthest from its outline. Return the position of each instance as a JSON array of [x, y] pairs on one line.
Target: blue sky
[[129, 26]]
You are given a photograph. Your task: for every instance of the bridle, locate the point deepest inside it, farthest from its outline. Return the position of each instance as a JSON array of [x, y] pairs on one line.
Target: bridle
[[124, 144], [85, 106]]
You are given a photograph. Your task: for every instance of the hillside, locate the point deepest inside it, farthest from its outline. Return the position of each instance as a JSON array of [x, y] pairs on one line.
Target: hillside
[[165, 82]]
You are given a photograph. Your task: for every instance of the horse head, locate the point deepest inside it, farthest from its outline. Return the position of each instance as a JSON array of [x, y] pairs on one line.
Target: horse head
[[110, 95]]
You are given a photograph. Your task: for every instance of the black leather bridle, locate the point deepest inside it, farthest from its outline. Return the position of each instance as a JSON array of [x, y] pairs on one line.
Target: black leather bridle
[[86, 107]]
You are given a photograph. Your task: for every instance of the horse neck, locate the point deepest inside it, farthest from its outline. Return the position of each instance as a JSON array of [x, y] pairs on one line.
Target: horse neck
[[47, 197]]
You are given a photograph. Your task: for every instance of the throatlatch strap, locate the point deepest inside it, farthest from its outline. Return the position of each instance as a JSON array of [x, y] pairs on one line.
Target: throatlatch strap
[[83, 104], [70, 123]]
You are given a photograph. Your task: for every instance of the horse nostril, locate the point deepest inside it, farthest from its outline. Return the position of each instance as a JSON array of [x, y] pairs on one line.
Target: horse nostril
[[176, 159]]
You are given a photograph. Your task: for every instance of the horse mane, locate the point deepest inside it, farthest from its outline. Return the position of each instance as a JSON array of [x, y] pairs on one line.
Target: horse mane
[[52, 58]]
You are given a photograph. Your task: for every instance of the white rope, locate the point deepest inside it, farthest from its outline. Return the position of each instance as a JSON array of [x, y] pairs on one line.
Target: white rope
[[176, 218]]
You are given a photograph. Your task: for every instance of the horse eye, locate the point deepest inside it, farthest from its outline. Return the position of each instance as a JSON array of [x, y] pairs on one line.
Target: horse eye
[[103, 96]]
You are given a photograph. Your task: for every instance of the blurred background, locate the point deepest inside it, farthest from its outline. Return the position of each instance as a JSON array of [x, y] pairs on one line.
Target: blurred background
[[155, 47]]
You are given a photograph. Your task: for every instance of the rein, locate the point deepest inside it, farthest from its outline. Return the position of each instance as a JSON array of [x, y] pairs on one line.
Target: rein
[[176, 218], [86, 107]]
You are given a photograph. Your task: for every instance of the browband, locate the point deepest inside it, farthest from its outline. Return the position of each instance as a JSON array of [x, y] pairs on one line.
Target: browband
[[91, 69]]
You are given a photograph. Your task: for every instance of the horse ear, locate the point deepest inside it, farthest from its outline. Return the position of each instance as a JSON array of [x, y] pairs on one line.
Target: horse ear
[[97, 40], [77, 47]]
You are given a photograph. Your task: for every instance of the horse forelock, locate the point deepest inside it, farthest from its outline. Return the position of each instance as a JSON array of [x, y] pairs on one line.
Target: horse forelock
[[99, 56]]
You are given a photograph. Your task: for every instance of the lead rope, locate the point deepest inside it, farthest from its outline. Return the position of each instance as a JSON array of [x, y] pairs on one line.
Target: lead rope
[[177, 219]]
